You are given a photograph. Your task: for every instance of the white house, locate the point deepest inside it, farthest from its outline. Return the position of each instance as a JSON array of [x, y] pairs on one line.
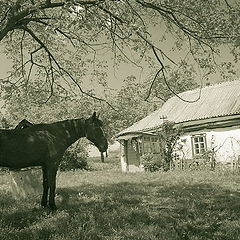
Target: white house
[[212, 122]]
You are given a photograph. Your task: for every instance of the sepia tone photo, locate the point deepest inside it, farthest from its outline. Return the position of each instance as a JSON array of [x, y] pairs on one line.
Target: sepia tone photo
[[119, 119]]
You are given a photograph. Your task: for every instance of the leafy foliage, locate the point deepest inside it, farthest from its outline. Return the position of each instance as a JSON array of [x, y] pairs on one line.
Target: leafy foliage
[[56, 109], [169, 135], [37, 34], [180, 80], [152, 162], [75, 158], [130, 106], [5, 124]]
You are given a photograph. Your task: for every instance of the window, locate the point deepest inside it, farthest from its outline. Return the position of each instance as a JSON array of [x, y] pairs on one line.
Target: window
[[146, 145], [151, 145], [199, 144], [155, 145]]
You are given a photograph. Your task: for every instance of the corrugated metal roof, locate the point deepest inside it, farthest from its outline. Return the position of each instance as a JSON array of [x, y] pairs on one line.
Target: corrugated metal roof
[[217, 100]]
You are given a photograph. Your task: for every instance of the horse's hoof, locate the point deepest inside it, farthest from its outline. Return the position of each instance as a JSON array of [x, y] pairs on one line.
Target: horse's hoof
[[52, 207], [44, 205]]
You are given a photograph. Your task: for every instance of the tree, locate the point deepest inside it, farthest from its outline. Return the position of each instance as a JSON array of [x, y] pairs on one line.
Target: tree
[[129, 106], [37, 34], [130, 102], [57, 108], [169, 134]]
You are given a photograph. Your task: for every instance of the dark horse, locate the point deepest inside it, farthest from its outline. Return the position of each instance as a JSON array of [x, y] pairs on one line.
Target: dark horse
[[44, 145], [24, 124]]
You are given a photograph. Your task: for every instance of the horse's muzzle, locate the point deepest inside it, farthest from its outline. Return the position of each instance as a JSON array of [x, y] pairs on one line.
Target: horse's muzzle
[[103, 147]]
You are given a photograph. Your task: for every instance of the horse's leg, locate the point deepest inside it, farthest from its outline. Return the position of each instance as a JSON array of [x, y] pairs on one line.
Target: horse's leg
[[52, 172], [45, 187]]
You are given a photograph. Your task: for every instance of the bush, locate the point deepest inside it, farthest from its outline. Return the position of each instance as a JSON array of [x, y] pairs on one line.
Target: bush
[[153, 162], [75, 158]]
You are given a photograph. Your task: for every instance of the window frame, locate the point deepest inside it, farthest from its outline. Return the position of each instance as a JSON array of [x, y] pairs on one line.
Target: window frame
[[147, 145], [198, 143], [151, 144], [155, 145]]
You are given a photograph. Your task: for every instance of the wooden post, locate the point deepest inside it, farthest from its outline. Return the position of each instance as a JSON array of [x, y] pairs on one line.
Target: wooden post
[[123, 158], [102, 157]]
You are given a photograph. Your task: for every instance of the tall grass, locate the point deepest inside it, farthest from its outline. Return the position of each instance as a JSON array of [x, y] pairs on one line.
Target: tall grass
[[107, 204]]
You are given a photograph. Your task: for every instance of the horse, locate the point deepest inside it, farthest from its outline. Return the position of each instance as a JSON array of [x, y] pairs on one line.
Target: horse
[[44, 145]]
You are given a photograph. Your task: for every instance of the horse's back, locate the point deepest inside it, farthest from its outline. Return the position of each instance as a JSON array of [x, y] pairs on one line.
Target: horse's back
[[19, 148]]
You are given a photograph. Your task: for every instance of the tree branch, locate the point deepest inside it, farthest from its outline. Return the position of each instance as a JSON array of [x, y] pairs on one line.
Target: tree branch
[[165, 80], [61, 69], [169, 15], [21, 50], [152, 84]]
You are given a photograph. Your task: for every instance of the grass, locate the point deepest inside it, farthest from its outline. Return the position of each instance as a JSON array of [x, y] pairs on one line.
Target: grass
[[107, 204]]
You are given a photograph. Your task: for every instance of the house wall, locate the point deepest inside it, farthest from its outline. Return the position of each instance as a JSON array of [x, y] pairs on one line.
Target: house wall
[[133, 156], [130, 157], [224, 141]]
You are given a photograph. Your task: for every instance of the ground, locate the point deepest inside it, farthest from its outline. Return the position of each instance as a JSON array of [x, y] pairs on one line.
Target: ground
[[106, 204]]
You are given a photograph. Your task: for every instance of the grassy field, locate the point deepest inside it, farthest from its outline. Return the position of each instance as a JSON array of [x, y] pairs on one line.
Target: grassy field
[[107, 204]]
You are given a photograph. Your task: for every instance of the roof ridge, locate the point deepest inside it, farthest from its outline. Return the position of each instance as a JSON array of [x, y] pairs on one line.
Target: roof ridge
[[226, 83]]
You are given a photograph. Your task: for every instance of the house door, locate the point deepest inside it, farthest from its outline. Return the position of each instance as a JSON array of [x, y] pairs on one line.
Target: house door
[[133, 153]]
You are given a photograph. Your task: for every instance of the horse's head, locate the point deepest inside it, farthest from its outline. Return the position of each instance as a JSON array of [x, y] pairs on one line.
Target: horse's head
[[95, 134]]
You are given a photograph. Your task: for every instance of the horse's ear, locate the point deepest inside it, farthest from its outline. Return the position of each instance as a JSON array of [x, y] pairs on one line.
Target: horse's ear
[[94, 116]]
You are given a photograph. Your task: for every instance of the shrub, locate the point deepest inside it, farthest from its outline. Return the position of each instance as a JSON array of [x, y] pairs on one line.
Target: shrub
[[206, 160], [75, 158], [153, 162]]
